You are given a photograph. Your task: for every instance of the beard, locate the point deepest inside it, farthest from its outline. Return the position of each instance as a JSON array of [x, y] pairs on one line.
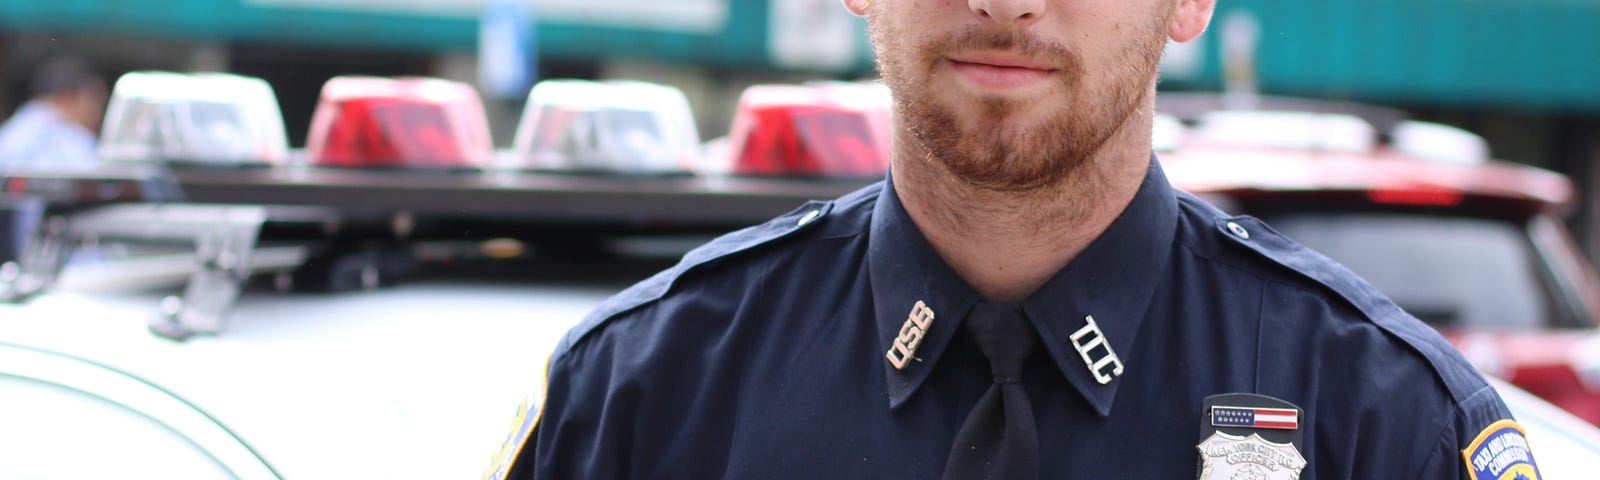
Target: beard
[[993, 151]]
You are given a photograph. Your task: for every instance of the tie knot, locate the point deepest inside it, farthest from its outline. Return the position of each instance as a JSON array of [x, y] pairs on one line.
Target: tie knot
[[1004, 336]]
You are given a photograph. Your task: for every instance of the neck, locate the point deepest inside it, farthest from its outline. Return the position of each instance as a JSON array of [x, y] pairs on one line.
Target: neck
[[1007, 244], [68, 105]]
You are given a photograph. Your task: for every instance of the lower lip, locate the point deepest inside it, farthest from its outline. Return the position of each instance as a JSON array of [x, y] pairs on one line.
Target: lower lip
[[1000, 78]]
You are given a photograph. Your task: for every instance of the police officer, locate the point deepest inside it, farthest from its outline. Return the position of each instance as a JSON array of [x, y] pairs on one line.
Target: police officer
[[1025, 296]]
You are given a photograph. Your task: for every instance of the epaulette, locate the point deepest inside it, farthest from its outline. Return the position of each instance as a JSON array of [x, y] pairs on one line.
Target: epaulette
[[740, 241], [1251, 233], [1255, 236]]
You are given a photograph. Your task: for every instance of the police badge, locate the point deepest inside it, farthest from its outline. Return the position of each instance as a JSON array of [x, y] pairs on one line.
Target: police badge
[[1245, 436], [1229, 457]]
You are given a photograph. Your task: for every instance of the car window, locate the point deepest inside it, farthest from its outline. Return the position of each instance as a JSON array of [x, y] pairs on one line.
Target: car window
[[1447, 271]]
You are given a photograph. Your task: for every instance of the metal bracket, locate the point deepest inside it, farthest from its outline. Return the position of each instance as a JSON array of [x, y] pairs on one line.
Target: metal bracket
[[40, 254], [224, 238]]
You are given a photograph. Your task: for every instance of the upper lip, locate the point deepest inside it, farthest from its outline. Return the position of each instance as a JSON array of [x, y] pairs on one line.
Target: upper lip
[[1000, 59]]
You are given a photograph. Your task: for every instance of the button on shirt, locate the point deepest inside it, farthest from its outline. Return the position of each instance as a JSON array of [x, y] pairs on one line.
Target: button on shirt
[[37, 136], [762, 355]]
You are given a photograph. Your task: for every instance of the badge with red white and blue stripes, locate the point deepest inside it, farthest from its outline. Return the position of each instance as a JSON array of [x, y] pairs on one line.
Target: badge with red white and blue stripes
[[1254, 417], [1267, 427]]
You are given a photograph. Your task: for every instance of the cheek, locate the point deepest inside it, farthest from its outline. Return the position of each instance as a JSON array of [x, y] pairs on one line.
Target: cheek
[[920, 18]]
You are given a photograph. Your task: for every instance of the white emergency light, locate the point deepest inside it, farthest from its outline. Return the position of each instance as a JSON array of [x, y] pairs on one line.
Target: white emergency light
[[1290, 130], [608, 127], [1439, 142], [214, 119]]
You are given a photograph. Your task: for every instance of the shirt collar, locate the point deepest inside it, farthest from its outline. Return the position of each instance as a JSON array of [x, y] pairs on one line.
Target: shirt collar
[[1111, 281]]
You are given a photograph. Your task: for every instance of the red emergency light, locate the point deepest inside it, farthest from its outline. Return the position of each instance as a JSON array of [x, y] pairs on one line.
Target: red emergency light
[[834, 130], [409, 123]]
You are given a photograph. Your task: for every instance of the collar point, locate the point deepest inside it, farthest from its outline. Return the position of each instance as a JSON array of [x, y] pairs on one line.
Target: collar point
[[1103, 410], [898, 399]]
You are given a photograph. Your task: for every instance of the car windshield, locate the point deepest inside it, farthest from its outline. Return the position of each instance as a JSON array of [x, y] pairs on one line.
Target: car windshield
[[1447, 271]]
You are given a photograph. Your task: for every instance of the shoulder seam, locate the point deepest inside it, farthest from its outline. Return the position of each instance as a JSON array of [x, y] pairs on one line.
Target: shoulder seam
[[1380, 312], [575, 337], [1444, 428], [662, 284]]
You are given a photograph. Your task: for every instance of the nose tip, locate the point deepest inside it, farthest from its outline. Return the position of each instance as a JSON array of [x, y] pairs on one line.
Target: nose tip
[[1017, 12]]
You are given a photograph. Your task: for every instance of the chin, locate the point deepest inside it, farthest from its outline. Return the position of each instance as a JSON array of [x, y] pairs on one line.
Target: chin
[[1015, 127]]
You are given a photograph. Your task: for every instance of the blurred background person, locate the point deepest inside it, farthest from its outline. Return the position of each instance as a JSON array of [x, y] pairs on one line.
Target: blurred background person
[[58, 126]]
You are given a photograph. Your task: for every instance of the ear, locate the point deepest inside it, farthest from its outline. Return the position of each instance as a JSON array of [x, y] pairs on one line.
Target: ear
[[857, 7], [1189, 19]]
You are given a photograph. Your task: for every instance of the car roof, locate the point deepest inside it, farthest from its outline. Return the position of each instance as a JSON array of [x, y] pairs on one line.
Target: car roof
[[1191, 106], [1217, 169], [1280, 146]]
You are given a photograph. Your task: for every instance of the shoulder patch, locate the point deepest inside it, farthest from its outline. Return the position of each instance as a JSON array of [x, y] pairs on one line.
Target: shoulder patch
[[521, 427], [1500, 453], [807, 217]]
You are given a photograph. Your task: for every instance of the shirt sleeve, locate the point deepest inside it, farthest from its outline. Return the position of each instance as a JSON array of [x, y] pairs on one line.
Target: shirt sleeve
[[1482, 433], [569, 438]]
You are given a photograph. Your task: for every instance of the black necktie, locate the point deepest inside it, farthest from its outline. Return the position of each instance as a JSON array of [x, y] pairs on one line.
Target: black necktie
[[998, 440]]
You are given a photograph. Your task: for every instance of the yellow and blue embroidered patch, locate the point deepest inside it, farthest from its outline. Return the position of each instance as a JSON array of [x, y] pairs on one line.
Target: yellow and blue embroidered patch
[[1500, 453], [528, 413]]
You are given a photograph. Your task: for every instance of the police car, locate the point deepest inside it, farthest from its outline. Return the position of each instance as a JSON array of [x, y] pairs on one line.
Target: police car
[[1473, 246], [414, 381]]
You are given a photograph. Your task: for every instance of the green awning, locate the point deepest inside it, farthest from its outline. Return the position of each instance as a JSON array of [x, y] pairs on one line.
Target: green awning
[[724, 33], [1530, 54]]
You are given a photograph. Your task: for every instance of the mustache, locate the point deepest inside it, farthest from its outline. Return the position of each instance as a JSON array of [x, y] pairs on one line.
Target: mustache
[[975, 37]]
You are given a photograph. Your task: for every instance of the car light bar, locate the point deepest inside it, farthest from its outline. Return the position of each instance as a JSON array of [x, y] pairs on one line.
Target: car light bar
[[838, 130], [612, 126], [418, 123], [214, 119]]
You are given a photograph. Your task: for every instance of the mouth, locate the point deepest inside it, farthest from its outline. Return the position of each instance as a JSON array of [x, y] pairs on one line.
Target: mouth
[[1000, 72]]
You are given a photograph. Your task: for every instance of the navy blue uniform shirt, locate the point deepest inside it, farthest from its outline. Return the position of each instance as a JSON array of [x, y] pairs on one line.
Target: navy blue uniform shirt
[[763, 355]]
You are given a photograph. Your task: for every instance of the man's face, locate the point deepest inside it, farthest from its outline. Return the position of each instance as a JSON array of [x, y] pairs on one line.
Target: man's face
[[1012, 95], [86, 105]]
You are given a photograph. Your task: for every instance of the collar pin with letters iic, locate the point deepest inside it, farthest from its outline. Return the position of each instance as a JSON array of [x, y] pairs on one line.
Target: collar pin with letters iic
[[905, 345], [1104, 368]]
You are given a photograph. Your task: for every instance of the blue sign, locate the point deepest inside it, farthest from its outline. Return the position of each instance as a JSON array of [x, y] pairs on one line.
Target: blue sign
[[507, 53]]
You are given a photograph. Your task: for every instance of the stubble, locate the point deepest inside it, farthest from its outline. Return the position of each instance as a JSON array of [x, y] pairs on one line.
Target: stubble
[[996, 151]]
